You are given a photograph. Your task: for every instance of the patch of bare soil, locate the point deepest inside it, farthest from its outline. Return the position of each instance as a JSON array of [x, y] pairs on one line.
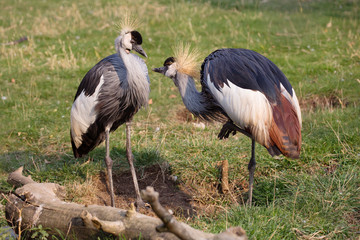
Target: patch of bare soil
[[159, 177], [354, 220], [184, 115], [185, 199], [322, 102]]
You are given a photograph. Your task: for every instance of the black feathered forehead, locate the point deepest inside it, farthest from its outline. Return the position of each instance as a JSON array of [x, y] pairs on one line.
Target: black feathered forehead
[[136, 36], [169, 61]]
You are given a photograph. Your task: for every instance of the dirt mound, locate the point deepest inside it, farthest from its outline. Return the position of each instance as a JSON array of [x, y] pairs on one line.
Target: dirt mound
[[157, 176], [184, 115]]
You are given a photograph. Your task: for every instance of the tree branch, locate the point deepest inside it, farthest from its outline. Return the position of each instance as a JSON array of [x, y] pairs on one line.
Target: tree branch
[[18, 179], [37, 204]]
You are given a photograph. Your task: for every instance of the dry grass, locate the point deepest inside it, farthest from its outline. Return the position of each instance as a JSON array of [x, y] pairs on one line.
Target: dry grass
[[85, 192], [187, 60], [66, 60], [325, 103]]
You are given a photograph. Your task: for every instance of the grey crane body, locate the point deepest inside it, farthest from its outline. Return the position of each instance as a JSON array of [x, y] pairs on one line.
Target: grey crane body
[[110, 94], [117, 101]]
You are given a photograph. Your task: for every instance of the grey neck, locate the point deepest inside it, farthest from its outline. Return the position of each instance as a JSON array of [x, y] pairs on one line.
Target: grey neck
[[136, 75], [194, 100]]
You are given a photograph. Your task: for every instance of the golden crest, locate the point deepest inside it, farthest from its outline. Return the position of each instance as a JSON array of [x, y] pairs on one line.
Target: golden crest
[[127, 24], [187, 60]]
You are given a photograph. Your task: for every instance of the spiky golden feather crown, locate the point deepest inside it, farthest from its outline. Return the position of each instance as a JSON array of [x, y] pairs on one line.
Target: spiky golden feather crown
[[187, 60], [127, 24]]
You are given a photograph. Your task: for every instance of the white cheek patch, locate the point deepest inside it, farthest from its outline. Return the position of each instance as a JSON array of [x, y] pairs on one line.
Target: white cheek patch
[[83, 113], [127, 42], [246, 108], [171, 72]]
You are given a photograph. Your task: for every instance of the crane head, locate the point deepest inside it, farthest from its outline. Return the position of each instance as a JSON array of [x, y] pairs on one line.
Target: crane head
[[130, 40], [186, 61], [169, 69]]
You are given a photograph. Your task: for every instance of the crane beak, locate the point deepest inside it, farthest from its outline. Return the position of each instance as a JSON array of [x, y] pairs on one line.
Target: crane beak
[[159, 70], [139, 49]]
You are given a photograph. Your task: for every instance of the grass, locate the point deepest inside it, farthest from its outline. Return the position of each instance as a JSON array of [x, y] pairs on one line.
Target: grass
[[315, 43]]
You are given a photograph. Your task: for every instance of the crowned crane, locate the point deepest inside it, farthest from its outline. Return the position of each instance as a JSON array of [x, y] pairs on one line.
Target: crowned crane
[[109, 95], [248, 91]]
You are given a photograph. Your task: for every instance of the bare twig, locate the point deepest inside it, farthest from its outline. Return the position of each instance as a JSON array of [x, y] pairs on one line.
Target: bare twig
[[182, 230], [22, 39], [170, 223], [17, 179], [225, 176]]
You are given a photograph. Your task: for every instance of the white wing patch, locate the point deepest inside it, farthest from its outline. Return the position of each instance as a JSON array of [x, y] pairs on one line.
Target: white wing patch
[[246, 108], [83, 113], [293, 100], [295, 103]]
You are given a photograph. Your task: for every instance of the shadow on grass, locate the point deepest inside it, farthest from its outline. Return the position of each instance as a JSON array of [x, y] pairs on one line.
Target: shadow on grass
[[64, 169], [266, 191]]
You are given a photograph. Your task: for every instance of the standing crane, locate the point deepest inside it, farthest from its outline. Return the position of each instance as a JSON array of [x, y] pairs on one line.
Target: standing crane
[[248, 91], [109, 95]]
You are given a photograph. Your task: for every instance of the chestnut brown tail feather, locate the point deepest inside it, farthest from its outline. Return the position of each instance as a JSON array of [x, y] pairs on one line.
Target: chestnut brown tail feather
[[285, 130]]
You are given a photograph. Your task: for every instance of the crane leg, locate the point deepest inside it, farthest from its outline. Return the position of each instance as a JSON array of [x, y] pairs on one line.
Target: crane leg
[[109, 164], [130, 157], [251, 168]]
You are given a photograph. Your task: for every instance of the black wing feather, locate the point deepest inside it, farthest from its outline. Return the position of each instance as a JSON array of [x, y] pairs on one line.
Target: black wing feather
[[92, 77], [246, 69]]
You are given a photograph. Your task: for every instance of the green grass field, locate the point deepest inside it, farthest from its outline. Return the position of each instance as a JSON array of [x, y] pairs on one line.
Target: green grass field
[[316, 43]]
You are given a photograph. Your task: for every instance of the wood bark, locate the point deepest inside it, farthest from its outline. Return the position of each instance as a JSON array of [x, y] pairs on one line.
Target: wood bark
[[225, 176], [36, 204]]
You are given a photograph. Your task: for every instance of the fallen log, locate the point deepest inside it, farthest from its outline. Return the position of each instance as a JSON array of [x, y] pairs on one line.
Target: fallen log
[[36, 204]]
